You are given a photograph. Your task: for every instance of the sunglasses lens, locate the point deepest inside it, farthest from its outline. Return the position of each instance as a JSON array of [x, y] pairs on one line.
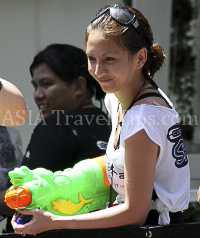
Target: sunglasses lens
[[119, 13], [101, 12], [122, 16]]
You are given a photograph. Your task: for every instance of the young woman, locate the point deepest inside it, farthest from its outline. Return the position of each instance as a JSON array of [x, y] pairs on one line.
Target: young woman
[[146, 159]]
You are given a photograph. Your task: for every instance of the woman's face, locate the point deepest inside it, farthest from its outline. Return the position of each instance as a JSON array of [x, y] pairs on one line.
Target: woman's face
[[110, 65], [51, 93]]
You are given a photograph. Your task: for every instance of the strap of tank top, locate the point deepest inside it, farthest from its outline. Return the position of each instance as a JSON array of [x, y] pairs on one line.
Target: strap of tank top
[[151, 94]]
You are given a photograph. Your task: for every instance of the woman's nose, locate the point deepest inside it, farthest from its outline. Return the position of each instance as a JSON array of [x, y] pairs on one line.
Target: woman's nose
[[38, 93], [100, 70]]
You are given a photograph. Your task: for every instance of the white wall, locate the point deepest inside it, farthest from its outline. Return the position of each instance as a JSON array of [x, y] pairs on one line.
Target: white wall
[[158, 13]]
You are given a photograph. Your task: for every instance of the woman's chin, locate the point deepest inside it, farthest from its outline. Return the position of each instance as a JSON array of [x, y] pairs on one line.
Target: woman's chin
[[108, 89], [44, 115]]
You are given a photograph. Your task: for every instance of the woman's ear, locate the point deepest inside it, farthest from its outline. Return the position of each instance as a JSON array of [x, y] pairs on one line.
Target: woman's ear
[[142, 57], [80, 86]]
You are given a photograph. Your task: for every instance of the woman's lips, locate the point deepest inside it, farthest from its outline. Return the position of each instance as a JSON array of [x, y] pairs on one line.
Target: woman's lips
[[104, 80], [42, 107]]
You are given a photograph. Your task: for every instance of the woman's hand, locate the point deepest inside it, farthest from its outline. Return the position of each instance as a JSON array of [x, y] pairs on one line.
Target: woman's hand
[[41, 221]]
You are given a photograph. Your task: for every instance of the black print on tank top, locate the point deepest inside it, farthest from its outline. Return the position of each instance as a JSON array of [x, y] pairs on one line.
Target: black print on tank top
[[113, 170], [179, 153]]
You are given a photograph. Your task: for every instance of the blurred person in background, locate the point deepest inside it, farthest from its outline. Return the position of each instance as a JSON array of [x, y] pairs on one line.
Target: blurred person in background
[[13, 113]]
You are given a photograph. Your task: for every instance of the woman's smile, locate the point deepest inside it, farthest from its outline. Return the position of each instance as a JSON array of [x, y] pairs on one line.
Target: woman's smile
[[43, 108], [102, 80]]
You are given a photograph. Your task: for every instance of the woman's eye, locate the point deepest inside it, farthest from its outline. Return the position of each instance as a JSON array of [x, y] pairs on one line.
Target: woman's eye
[[34, 86], [46, 85], [91, 58], [110, 59]]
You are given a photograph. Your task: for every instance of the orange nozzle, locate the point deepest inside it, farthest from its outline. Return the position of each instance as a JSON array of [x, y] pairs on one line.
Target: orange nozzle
[[101, 160], [18, 197]]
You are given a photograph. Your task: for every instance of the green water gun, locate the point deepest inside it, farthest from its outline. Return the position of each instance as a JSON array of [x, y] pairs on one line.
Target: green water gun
[[81, 189]]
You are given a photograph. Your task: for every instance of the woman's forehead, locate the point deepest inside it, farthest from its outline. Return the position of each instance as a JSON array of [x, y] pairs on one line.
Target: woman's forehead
[[97, 37]]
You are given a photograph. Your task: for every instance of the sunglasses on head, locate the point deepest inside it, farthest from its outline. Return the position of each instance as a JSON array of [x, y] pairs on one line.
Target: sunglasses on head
[[120, 14]]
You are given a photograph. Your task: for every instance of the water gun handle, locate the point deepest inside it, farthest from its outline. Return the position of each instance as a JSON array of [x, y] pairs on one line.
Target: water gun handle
[[23, 219]]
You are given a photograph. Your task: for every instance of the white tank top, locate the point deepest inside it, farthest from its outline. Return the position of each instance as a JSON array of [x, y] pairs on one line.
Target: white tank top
[[172, 178]]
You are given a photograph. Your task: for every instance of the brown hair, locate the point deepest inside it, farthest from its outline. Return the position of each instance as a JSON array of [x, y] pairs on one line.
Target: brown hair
[[132, 40]]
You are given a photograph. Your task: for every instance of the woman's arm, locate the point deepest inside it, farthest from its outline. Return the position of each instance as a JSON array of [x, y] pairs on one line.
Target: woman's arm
[[198, 195], [13, 109], [140, 163]]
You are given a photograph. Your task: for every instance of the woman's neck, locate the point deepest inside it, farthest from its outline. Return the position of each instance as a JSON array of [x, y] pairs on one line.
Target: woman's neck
[[87, 104], [127, 96]]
